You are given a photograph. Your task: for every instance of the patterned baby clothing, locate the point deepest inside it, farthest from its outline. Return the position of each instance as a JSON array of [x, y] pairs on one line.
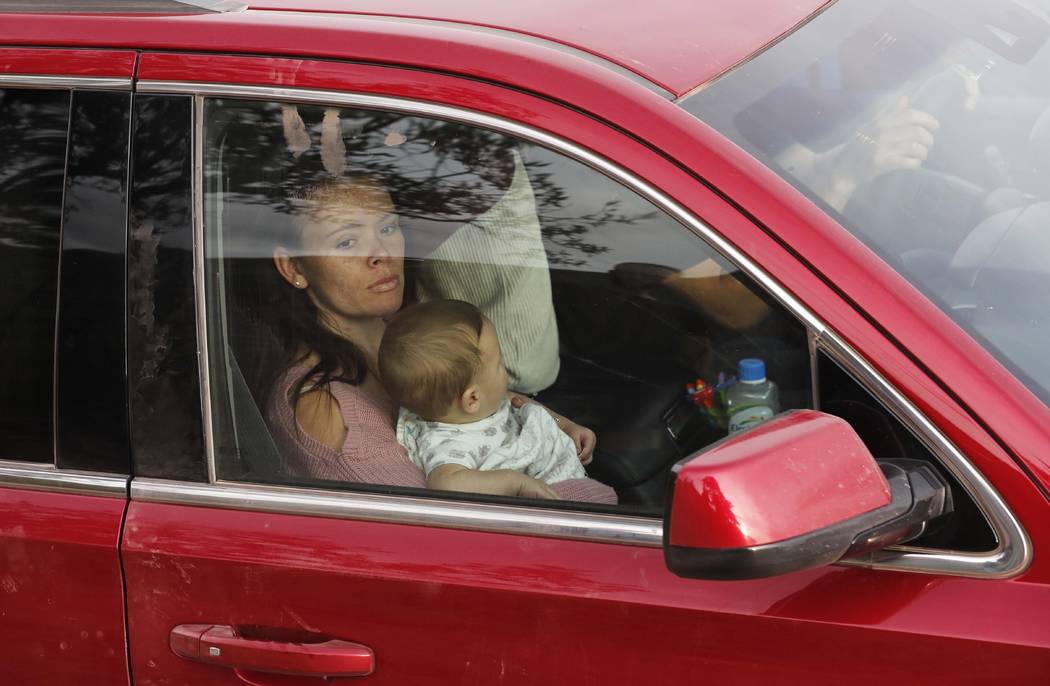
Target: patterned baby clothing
[[525, 439]]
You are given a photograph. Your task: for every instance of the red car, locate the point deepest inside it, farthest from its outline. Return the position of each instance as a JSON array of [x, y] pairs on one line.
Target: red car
[[856, 193]]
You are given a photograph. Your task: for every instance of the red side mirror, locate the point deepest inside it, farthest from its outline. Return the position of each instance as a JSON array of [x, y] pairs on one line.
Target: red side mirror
[[797, 491]]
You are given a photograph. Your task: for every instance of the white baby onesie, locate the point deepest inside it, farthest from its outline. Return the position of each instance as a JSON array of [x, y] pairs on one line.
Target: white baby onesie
[[525, 439]]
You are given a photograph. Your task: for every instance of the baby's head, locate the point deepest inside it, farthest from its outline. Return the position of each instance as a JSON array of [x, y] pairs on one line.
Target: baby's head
[[442, 360]]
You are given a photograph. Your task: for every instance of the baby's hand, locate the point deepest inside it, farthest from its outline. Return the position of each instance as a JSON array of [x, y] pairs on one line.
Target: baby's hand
[[581, 436], [534, 488], [584, 439]]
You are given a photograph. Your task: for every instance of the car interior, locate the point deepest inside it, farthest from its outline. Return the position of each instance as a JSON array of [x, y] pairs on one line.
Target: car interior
[[964, 225], [629, 346]]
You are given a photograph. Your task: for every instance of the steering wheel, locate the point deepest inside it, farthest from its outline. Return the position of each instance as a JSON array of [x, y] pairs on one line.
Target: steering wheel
[[916, 209]]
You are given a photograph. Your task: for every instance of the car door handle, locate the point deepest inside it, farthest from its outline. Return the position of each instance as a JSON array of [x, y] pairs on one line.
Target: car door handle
[[220, 645]]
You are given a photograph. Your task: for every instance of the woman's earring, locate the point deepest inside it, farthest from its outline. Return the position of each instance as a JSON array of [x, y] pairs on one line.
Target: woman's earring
[[299, 283]]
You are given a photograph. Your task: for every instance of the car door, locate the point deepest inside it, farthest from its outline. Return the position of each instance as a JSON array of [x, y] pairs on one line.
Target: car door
[[65, 461], [236, 571]]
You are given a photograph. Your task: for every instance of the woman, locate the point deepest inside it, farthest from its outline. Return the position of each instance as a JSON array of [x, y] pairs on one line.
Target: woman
[[342, 272]]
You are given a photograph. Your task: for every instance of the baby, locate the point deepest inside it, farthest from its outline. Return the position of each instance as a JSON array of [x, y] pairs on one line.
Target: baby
[[441, 362]]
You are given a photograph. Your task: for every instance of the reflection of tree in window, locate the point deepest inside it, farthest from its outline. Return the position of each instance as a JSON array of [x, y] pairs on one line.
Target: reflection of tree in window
[[33, 131], [32, 146], [440, 174]]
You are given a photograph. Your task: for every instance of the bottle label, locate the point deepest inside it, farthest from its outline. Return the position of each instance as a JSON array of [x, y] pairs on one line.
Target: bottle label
[[748, 416]]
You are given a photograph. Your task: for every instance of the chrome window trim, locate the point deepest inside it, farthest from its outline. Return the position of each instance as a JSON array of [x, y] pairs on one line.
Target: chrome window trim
[[812, 347], [399, 509], [1011, 557], [73, 82], [44, 477]]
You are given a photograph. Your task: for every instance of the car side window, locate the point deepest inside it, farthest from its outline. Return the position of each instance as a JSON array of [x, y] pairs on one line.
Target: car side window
[[322, 223], [33, 133], [967, 529]]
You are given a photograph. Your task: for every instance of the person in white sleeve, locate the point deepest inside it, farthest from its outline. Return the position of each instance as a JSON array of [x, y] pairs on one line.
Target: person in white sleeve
[[441, 362], [497, 261]]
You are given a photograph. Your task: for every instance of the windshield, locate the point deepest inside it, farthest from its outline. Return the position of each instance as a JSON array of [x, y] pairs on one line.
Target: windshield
[[923, 127]]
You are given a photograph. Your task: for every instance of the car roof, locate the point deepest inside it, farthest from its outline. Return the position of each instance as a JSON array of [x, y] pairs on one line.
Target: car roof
[[675, 44]]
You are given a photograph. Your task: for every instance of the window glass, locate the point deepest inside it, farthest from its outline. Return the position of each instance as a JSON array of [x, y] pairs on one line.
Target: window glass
[[164, 398], [33, 129], [886, 438], [91, 408], [924, 128], [333, 238]]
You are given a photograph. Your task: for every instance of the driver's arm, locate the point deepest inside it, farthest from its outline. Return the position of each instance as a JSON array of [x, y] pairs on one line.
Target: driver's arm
[[720, 295]]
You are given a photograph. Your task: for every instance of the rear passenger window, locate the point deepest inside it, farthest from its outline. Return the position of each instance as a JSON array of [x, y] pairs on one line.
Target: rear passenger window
[[33, 133], [321, 223]]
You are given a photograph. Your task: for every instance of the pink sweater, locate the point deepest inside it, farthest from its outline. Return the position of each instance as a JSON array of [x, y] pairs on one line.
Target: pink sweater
[[370, 453]]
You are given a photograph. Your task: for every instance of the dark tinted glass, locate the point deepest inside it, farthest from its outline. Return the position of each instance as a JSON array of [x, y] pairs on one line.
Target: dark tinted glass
[[33, 128], [92, 416], [163, 382]]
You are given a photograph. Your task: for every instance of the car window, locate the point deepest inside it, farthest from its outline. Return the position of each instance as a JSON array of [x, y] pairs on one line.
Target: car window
[[33, 132], [91, 411], [887, 438], [923, 127], [608, 311], [164, 399]]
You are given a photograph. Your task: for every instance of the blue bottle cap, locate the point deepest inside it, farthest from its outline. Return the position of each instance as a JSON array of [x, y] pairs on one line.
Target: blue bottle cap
[[751, 369]]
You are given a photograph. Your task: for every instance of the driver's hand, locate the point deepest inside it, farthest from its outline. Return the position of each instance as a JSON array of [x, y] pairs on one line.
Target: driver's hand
[[899, 138]]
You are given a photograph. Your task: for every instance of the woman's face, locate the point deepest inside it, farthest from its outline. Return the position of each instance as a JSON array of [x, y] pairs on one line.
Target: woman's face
[[351, 254]]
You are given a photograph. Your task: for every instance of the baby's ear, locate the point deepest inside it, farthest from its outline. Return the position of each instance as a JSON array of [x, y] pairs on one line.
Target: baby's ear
[[469, 400]]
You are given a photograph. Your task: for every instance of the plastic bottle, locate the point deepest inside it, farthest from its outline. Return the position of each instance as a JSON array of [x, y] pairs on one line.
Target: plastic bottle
[[753, 398]]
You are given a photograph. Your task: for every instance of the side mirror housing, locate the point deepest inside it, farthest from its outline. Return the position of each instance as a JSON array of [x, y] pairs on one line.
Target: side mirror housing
[[798, 491]]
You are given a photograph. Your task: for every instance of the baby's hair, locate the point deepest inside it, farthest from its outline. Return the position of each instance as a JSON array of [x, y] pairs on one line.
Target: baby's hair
[[430, 353]]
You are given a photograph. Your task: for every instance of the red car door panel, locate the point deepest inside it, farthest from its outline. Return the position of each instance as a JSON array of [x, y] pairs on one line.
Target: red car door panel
[[61, 596], [61, 509], [441, 606]]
